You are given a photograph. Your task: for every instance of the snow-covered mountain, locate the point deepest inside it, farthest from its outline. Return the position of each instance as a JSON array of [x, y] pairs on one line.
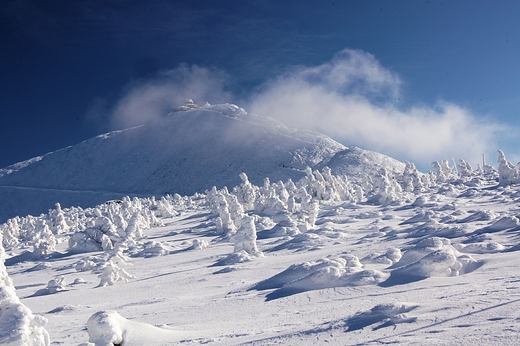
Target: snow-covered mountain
[[188, 151], [340, 246]]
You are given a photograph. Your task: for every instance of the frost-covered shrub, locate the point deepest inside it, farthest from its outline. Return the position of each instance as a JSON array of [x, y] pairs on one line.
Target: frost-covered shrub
[[153, 249], [245, 192], [91, 229], [46, 243], [313, 183], [386, 190], [309, 210], [392, 255], [449, 191], [325, 186], [443, 171], [465, 169], [224, 222], [135, 228], [266, 188], [282, 192], [57, 222], [165, 207], [411, 178], [199, 244], [234, 258], [489, 170], [11, 232], [337, 188], [235, 209], [434, 256], [89, 241], [290, 187], [245, 237], [263, 196], [84, 265], [113, 270], [55, 285], [213, 199], [18, 325], [100, 235], [275, 205], [285, 226], [29, 231], [507, 173]]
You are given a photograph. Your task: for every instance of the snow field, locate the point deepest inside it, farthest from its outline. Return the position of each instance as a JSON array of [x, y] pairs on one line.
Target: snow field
[[315, 261]]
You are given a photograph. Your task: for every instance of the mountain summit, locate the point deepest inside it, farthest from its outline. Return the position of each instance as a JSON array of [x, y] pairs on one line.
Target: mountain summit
[[190, 150]]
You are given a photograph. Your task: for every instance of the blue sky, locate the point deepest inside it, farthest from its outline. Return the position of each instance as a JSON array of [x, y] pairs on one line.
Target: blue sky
[[417, 80]]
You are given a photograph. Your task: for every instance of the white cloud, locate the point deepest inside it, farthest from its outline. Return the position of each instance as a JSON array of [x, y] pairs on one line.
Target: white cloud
[[352, 99], [154, 98]]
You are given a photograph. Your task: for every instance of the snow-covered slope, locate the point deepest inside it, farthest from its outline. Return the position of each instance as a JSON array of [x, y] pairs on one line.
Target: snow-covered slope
[[431, 261], [358, 163], [187, 151]]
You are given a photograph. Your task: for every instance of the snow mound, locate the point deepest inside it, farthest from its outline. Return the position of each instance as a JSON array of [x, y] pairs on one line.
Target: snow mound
[[480, 215], [53, 286], [422, 216], [433, 228], [108, 328], [506, 222], [325, 273], [65, 309], [481, 248], [384, 315], [234, 258], [431, 257], [297, 271], [391, 256]]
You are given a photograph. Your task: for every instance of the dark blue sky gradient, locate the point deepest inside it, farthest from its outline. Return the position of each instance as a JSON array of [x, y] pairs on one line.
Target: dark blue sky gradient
[[62, 58]]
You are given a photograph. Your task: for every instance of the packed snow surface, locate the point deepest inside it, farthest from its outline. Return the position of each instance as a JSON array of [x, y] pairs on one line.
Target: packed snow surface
[[395, 258]]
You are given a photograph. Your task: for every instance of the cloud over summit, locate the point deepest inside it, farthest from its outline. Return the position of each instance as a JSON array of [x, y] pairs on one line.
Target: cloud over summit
[[153, 98], [352, 98]]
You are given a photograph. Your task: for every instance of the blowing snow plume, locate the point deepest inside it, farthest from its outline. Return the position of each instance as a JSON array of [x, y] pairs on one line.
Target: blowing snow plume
[[352, 99], [152, 99]]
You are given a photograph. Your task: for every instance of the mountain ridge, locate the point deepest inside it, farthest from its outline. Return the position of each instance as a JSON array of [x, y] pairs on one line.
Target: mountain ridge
[[184, 152]]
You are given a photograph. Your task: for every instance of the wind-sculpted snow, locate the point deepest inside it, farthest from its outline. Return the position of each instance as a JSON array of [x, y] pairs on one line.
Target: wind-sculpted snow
[[384, 315], [432, 256], [282, 261], [325, 273]]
